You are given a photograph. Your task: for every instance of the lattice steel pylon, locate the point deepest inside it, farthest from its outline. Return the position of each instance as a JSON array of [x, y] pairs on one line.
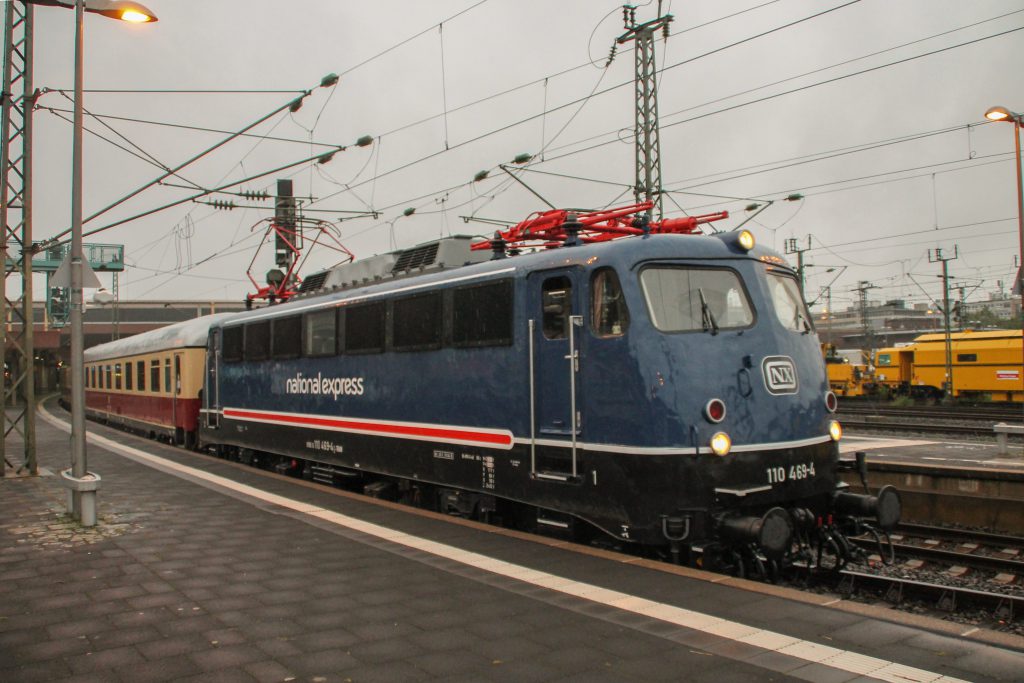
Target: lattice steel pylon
[[645, 130], [18, 98]]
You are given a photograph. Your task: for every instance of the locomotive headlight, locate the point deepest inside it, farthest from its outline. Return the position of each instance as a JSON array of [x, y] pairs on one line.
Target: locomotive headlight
[[745, 240], [721, 443], [835, 430]]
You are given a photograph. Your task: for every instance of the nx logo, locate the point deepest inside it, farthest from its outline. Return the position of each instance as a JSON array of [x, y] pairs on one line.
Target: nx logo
[[779, 375]]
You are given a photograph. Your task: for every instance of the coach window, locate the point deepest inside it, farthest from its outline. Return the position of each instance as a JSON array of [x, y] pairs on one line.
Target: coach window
[[140, 374], [177, 375], [286, 337], [556, 300], [109, 371], [128, 376], [364, 328], [154, 375], [257, 340], [482, 315], [232, 344], [609, 316], [167, 375], [416, 322], [320, 333]]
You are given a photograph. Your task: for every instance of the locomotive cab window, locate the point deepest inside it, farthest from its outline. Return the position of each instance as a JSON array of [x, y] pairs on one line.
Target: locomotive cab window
[[609, 316], [320, 333], [556, 303], [286, 337], [683, 299], [789, 302], [482, 315]]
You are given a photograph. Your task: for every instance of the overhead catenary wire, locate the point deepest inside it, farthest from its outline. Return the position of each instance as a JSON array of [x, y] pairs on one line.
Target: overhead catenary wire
[[434, 194]]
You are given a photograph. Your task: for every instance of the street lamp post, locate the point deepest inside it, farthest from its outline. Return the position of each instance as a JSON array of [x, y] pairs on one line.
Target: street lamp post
[[81, 483], [1004, 114]]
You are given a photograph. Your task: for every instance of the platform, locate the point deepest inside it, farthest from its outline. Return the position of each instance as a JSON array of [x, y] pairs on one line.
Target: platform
[[206, 570], [945, 451]]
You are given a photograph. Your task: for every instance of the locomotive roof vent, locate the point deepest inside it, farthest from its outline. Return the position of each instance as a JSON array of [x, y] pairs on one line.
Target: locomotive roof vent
[[449, 252]]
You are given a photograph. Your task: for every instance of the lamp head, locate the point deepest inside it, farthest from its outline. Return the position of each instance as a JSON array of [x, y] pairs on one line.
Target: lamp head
[[1001, 114], [125, 10]]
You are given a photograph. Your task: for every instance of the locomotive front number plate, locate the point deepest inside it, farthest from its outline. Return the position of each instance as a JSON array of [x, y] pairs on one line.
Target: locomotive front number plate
[[780, 375]]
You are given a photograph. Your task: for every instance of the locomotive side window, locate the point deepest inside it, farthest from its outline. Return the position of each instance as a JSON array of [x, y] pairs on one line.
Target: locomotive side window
[[364, 328], [140, 374], [232, 344], [154, 375], [609, 316], [257, 340], [286, 337], [966, 358], [556, 300], [694, 299], [789, 303], [320, 333], [416, 322], [482, 315]]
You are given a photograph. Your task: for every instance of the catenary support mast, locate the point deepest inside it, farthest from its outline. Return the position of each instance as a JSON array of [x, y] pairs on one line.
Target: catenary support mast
[[18, 98], [645, 130]]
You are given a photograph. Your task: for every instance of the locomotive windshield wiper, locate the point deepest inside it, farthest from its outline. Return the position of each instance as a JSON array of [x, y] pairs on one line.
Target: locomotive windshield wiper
[[707, 318]]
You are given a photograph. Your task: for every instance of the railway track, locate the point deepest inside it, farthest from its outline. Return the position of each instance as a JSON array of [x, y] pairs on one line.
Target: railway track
[[918, 426], [987, 414], [1003, 608], [973, 550], [982, 571]]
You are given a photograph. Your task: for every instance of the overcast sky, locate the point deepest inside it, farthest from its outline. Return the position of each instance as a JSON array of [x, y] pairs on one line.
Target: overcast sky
[[753, 93]]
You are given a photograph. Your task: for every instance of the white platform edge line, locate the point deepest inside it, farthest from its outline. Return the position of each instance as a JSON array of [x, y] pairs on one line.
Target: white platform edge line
[[800, 649]]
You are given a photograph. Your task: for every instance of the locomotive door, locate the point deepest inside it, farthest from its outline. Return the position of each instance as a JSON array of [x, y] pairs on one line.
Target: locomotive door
[[555, 330]]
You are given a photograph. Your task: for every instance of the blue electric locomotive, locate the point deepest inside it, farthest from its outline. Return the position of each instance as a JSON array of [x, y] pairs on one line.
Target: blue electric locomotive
[[667, 389]]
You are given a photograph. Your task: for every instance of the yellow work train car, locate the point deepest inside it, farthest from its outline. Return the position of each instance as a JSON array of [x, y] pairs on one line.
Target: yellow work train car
[[984, 365], [893, 368], [844, 378]]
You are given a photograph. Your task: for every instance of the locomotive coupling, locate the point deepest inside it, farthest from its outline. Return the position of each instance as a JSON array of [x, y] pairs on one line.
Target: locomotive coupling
[[773, 532], [884, 507]]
